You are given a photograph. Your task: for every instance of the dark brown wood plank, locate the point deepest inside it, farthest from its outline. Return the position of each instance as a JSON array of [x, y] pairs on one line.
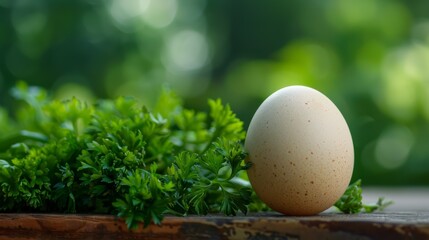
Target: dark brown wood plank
[[407, 225]]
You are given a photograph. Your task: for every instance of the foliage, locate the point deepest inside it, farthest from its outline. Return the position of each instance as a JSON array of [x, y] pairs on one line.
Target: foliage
[[118, 157], [351, 201]]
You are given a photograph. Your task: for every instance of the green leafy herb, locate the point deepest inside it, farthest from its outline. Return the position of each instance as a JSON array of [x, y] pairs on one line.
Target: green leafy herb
[[118, 157], [351, 201]]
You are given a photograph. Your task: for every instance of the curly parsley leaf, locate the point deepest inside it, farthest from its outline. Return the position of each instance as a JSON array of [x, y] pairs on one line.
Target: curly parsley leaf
[[351, 201], [146, 198]]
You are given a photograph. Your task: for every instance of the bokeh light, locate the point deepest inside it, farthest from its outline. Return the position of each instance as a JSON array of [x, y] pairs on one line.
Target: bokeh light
[[393, 147], [371, 57]]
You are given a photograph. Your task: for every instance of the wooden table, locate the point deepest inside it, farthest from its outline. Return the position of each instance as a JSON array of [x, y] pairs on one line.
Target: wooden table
[[400, 221]]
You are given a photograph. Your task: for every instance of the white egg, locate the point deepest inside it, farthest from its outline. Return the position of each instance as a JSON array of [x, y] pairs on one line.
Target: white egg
[[301, 151]]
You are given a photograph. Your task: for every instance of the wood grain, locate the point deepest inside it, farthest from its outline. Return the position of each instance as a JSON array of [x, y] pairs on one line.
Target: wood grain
[[406, 225]]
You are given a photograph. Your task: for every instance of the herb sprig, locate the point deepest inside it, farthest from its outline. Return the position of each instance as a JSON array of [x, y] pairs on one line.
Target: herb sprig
[[351, 201]]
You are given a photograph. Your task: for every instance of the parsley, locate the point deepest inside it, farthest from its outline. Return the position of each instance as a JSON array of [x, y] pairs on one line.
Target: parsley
[[118, 157], [351, 201]]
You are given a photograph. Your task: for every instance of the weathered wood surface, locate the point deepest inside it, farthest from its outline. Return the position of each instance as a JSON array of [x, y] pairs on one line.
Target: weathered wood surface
[[407, 218], [407, 225]]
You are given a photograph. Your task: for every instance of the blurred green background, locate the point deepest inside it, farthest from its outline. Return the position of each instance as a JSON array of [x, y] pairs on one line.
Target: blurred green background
[[371, 57]]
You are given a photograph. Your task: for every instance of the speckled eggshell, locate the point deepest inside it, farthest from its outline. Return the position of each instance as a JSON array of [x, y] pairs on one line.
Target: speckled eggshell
[[301, 151]]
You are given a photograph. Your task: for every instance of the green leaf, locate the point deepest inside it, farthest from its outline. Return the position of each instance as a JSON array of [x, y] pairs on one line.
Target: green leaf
[[351, 201]]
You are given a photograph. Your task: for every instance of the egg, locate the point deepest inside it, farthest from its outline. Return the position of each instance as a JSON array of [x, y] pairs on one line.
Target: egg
[[301, 151]]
